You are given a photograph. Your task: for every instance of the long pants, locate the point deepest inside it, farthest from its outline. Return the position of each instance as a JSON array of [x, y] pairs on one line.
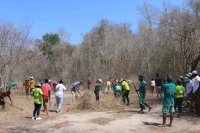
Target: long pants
[[178, 102], [125, 94], [108, 87], [159, 92], [97, 95], [37, 109], [59, 101]]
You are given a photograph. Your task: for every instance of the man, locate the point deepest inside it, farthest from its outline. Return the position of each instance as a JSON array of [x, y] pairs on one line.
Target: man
[[189, 91], [142, 92], [158, 82], [125, 90], [89, 81], [196, 91], [4, 94], [46, 90], [168, 101], [75, 88], [31, 83]]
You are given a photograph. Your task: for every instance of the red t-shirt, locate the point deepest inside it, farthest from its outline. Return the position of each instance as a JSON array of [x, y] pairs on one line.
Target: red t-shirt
[[45, 89]]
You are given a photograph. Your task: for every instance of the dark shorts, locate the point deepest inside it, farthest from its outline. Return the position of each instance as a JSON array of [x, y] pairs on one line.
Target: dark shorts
[[190, 96], [46, 100], [2, 103]]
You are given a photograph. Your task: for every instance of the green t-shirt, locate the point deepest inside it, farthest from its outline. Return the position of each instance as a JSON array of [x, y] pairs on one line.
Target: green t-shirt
[[125, 85], [97, 88], [37, 94], [179, 91]]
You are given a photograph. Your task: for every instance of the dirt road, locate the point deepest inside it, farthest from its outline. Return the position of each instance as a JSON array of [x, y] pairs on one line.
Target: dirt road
[[118, 121]]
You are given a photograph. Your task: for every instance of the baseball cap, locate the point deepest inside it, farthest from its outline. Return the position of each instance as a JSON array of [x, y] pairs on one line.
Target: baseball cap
[[194, 72]]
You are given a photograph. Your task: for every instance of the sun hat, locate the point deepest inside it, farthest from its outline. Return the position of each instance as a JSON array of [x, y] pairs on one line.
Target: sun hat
[[121, 79], [194, 72], [100, 80], [31, 77], [38, 84]]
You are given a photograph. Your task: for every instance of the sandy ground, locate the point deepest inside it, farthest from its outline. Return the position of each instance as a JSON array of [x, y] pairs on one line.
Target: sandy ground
[[126, 120]]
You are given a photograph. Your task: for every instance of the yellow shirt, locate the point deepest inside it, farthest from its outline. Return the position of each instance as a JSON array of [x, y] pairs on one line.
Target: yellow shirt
[[109, 83], [32, 83]]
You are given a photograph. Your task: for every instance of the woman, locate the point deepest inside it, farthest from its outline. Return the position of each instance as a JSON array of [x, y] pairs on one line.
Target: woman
[[178, 96], [153, 87], [37, 94], [60, 88]]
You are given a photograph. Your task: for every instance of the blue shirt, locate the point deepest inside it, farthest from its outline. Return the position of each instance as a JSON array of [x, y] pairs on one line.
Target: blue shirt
[[168, 89], [117, 88], [142, 89], [77, 84]]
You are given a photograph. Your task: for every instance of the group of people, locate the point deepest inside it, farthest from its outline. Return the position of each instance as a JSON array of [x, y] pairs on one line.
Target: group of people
[[41, 94], [172, 93]]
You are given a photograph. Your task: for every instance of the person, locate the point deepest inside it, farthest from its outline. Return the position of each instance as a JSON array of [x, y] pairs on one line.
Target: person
[[46, 90], [97, 89], [189, 91], [89, 81], [158, 82], [117, 90], [50, 83], [60, 88], [196, 92], [41, 82], [178, 96], [27, 86], [54, 85], [142, 92], [182, 81], [4, 94], [125, 90], [31, 83], [37, 94], [168, 101], [108, 86], [74, 88], [153, 87]]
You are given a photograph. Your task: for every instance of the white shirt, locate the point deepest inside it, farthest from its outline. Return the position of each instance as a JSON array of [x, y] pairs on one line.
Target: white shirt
[[196, 83], [59, 89], [189, 86], [152, 82]]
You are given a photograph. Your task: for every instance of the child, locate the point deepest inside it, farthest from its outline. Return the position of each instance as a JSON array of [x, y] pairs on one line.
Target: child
[[37, 94], [97, 88]]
